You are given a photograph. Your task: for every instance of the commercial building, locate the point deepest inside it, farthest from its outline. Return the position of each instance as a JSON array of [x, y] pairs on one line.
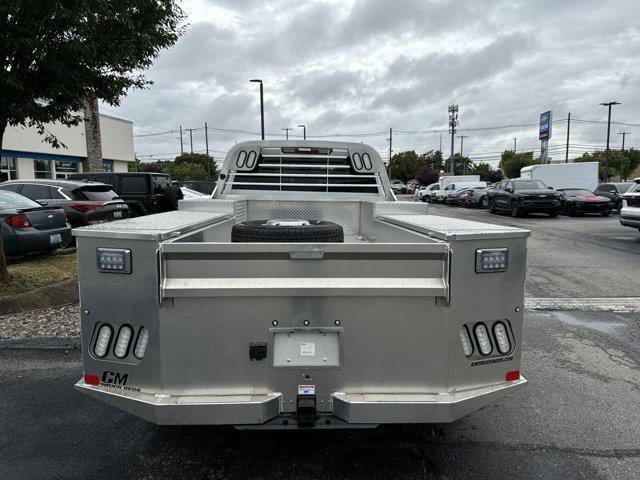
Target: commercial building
[[25, 155]]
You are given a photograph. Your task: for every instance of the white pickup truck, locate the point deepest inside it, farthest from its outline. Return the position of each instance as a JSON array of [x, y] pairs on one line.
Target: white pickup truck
[[630, 212], [300, 295]]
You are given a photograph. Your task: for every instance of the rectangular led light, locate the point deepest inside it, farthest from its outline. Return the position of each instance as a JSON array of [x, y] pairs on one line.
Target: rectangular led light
[[114, 260], [492, 260]]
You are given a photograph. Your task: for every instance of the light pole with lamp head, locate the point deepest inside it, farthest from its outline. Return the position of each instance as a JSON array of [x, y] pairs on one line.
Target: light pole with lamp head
[[257, 80], [606, 154], [304, 131]]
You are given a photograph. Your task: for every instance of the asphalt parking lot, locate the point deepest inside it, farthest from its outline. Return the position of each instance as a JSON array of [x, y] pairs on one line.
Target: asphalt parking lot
[[576, 419], [571, 257]]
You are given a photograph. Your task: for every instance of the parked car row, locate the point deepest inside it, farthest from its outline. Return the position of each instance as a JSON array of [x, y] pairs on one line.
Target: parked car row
[[522, 196], [37, 215]]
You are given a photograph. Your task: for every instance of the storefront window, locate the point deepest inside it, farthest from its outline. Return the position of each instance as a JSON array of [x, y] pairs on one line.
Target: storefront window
[[107, 167], [42, 168], [64, 169], [7, 169]]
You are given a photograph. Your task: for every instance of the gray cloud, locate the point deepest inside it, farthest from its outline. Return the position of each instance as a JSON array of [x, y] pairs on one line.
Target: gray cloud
[[364, 66]]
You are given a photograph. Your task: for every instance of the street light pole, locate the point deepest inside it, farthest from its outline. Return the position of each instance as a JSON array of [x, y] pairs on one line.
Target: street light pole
[[304, 131], [606, 155], [623, 170], [257, 80], [287, 132]]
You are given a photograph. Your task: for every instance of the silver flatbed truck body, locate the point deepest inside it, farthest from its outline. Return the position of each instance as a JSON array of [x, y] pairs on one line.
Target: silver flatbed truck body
[[403, 322]]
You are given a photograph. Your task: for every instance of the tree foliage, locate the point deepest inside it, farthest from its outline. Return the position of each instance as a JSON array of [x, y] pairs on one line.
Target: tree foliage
[[427, 177], [461, 165], [405, 165], [186, 171], [409, 165], [617, 165], [55, 55], [486, 172], [207, 162], [511, 163], [433, 161], [154, 167]]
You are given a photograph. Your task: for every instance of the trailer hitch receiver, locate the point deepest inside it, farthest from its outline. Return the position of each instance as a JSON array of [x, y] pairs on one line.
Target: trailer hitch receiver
[[306, 410]]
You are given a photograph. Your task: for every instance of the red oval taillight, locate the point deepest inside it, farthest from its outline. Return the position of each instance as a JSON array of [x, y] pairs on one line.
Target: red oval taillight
[[18, 221]]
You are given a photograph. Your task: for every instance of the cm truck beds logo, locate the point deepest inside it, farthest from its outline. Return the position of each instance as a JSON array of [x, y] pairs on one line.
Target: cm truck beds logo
[[116, 380]]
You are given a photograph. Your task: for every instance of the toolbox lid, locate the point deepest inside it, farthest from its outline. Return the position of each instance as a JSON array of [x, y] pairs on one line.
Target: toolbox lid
[[446, 228], [154, 227]]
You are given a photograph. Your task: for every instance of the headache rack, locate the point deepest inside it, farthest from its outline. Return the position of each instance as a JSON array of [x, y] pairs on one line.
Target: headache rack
[[322, 170]]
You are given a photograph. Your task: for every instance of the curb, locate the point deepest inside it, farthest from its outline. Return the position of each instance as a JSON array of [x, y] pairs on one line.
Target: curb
[[604, 304], [54, 295]]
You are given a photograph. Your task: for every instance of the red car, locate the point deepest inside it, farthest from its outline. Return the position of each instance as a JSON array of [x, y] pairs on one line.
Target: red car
[[577, 201]]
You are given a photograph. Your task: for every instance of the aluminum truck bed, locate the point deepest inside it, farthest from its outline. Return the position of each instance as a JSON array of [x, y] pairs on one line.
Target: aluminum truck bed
[[412, 318]]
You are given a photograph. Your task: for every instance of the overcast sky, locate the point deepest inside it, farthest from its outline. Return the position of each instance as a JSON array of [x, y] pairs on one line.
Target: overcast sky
[[358, 67]]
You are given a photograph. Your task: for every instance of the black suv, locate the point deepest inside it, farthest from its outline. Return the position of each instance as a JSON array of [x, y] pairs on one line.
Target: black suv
[[614, 191], [144, 192], [521, 196], [84, 203]]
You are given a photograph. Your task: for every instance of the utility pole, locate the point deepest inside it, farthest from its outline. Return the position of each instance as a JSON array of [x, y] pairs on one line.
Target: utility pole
[[606, 155], [566, 153], [287, 132], [515, 141], [623, 169], [191, 138], [464, 164], [390, 145], [453, 122], [181, 143], [440, 142], [462, 137], [206, 143]]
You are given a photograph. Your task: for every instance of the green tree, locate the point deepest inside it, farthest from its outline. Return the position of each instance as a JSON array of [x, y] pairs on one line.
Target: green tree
[[57, 54], [186, 171], [207, 162], [155, 167], [511, 163], [433, 160], [617, 165], [431, 165], [405, 165], [487, 174], [427, 177], [461, 165]]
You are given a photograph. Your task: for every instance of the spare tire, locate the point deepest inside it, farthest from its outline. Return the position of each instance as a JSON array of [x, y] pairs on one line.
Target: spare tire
[[298, 231]]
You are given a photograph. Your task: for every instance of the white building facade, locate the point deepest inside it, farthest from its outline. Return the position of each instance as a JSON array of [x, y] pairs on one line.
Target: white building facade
[[26, 156]]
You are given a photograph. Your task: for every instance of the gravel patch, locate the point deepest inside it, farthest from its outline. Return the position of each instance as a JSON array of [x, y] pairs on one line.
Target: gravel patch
[[55, 322]]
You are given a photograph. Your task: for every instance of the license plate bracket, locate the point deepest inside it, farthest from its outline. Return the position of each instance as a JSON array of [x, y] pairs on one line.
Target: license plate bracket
[[307, 347]]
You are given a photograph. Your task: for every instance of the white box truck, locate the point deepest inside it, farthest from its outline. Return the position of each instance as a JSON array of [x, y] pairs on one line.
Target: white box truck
[[446, 180], [564, 175]]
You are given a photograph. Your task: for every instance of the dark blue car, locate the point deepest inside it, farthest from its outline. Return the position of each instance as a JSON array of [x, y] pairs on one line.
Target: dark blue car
[[27, 226]]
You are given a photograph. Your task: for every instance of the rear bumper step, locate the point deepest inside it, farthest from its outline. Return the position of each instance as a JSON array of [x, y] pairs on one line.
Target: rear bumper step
[[256, 410]]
